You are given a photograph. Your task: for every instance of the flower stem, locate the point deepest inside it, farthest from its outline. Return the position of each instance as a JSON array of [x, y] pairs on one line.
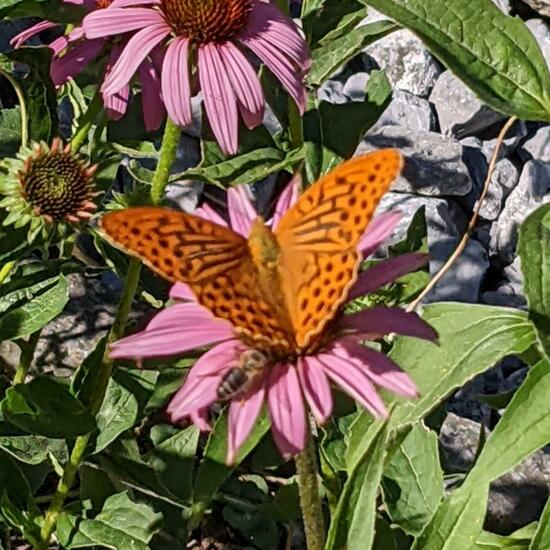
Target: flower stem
[[310, 503], [22, 107], [168, 149], [295, 125], [81, 443], [86, 123], [27, 353]]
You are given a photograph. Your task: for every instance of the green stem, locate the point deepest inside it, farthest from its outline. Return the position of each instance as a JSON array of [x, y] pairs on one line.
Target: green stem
[[22, 106], [86, 122], [295, 125], [310, 503], [81, 443], [168, 149], [27, 353]]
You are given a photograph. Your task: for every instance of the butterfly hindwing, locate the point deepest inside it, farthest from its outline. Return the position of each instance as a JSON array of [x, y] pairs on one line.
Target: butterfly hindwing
[[318, 236]]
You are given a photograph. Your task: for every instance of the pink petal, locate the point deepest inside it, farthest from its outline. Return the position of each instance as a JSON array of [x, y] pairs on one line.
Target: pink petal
[[280, 31], [241, 211], [208, 213], [176, 88], [377, 366], [381, 320], [280, 66], [200, 419], [18, 40], [316, 388], [76, 34], [135, 51], [116, 21], [73, 62], [201, 385], [288, 198], [182, 291], [177, 329], [58, 45], [243, 413], [377, 232], [116, 104], [245, 83], [151, 98], [352, 379], [130, 3], [287, 411], [386, 271], [219, 98]]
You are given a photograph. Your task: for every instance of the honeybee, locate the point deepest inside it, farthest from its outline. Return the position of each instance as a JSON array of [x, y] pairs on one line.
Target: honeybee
[[239, 379]]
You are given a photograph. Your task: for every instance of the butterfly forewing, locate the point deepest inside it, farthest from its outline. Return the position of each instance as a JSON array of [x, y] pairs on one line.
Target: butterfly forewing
[[213, 260], [318, 236]]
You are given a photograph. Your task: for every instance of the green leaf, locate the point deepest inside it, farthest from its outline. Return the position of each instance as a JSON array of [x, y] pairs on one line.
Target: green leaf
[[518, 540], [46, 407], [36, 313], [352, 526], [534, 251], [472, 339], [541, 540], [245, 168], [53, 10], [122, 524], [413, 480], [416, 239], [457, 522], [13, 482], [10, 131], [39, 91], [86, 378], [328, 58], [34, 449], [117, 414], [23, 289], [213, 471], [477, 41]]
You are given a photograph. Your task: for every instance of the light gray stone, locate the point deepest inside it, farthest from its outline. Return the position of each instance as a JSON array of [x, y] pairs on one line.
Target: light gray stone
[[407, 63], [185, 194], [504, 5], [408, 111], [504, 179], [459, 439], [434, 164], [459, 111], [443, 217], [541, 32], [462, 283], [512, 140], [531, 191], [538, 146]]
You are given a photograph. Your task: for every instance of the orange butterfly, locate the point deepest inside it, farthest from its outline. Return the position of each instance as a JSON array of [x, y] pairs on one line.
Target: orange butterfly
[[278, 288]]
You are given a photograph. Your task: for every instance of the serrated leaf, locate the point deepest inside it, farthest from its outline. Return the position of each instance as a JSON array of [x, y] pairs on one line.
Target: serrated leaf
[[472, 339], [46, 407], [327, 58], [122, 524], [34, 449], [31, 316], [413, 480], [352, 526], [10, 131], [534, 251], [476, 41]]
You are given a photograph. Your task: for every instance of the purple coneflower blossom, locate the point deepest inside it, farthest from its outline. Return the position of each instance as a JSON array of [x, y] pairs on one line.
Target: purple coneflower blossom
[[209, 34], [344, 361], [72, 53]]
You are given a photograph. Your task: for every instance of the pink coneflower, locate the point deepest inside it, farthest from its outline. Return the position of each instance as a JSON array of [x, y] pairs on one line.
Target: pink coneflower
[[208, 34], [344, 360], [72, 53]]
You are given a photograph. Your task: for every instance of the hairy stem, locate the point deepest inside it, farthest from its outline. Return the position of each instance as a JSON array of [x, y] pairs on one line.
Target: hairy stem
[[27, 353], [81, 443], [168, 149], [86, 123], [310, 503], [473, 220], [22, 106]]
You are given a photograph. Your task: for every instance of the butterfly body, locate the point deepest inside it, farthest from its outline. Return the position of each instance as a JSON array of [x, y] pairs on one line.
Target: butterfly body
[[279, 288]]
